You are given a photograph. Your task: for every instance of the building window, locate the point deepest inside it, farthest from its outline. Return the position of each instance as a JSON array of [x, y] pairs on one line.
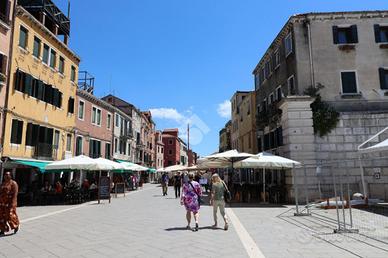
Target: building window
[[257, 80], [291, 85], [267, 71], [170, 152], [345, 35], [5, 11], [38, 89], [276, 59], [53, 59], [81, 110], [46, 51], [3, 65], [16, 131], [349, 82], [36, 50], [288, 44], [23, 37], [68, 142], [31, 134], [170, 142], [70, 105], [381, 33], [56, 139], [129, 149], [72, 74], [383, 78], [117, 120], [279, 93], [271, 99], [96, 116], [94, 149], [61, 65], [108, 121], [78, 146], [116, 148], [107, 150]]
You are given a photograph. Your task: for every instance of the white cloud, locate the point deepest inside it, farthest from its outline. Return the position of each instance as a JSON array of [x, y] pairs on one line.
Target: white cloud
[[224, 109], [167, 113]]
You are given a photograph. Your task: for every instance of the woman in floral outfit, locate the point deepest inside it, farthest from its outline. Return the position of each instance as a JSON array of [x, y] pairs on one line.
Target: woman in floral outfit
[[8, 202], [190, 199]]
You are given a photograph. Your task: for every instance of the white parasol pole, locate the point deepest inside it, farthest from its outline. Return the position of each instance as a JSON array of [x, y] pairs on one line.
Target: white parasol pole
[[264, 185]]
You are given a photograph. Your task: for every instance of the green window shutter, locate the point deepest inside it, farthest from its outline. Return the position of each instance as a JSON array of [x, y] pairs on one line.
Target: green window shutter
[[354, 34], [335, 34], [383, 81], [377, 33]]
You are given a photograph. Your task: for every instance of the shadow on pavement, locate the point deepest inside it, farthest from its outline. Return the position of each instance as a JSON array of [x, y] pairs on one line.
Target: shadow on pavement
[[254, 205], [177, 229]]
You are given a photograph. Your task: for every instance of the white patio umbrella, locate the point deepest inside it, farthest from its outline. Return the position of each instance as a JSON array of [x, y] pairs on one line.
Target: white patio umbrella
[[114, 165], [174, 168], [267, 160], [132, 166], [223, 159], [75, 163]]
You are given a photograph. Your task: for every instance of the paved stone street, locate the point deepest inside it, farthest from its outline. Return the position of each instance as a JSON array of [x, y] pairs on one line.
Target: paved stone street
[[146, 224]]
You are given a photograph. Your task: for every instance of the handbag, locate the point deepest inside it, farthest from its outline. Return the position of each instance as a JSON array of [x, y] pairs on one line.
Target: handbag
[[199, 197], [227, 194]]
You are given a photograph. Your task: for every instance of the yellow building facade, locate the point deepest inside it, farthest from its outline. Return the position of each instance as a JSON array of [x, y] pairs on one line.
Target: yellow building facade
[[40, 118]]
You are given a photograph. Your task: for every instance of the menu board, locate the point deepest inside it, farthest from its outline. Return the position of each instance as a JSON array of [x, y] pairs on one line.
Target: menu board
[[104, 189]]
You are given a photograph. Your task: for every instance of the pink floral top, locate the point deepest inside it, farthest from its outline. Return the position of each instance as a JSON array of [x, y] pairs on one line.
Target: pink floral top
[[190, 197]]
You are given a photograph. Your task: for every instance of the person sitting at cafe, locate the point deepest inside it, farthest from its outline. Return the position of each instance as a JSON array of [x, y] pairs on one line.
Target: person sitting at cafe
[[46, 187], [85, 185], [74, 184], [58, 187]]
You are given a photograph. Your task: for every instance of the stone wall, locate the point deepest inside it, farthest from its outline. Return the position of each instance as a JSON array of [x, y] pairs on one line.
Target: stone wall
[[335, 153]]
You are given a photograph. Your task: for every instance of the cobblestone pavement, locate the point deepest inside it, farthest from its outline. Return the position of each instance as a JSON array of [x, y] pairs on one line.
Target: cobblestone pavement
[[146, 224]]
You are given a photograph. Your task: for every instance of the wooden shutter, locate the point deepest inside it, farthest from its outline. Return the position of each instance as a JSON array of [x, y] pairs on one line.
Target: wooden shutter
[[335, 34], [70, 105], [14, 131], [3, 64], [383, 83], [40, 94], [29, 135], [19, 131], [354, 34], [35, 135], [377, 33], [28, 84]]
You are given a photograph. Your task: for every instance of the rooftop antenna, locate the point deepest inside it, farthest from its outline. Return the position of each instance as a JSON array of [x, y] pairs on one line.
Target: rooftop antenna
[[68, 9]]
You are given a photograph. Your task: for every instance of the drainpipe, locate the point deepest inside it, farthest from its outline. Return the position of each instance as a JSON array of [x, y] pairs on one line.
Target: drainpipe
[[310, 54]]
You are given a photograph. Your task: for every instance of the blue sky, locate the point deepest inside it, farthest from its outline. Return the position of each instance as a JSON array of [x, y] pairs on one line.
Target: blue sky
[[183, 58]]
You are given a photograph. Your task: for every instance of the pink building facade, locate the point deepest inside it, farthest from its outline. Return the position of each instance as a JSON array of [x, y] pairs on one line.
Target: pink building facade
[[6, 13], [94, 126]]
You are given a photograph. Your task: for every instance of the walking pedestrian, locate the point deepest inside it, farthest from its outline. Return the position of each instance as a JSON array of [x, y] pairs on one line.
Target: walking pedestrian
[[217, 199], [164, 184], [191, 196], [8, 202], [177, 184]]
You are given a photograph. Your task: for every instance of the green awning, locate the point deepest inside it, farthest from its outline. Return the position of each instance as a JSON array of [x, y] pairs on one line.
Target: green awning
[[39, 164], [151, 170]]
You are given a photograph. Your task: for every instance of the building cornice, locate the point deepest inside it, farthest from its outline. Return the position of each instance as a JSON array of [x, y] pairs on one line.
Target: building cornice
[[320, 16], [90, 97], [21, 12]]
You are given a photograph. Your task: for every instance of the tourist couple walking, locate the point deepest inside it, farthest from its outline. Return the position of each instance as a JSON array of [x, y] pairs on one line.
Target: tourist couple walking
[[191, 199]]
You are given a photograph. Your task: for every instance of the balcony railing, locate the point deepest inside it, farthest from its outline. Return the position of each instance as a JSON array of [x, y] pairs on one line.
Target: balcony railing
[[45, 151]]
